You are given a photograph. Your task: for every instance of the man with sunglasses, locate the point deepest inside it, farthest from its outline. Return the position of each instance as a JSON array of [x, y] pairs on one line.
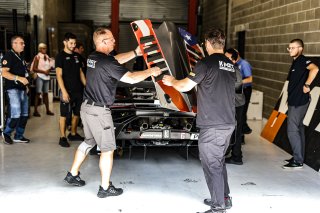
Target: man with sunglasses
[[14, 70], [104, 71], [302, 73], [215, 79]]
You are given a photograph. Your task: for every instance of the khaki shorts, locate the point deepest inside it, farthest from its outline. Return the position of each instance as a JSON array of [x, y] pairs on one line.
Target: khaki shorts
[[98, 127]]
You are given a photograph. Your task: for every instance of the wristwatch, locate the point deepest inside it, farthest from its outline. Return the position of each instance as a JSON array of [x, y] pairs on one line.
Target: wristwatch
[[16, 79], [307, 86]]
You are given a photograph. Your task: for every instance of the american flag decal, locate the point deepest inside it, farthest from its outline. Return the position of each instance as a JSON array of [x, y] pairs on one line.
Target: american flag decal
[[195, 52]]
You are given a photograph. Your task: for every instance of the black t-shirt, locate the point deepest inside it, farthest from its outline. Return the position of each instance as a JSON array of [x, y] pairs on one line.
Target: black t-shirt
[[215, 76], [70, 65], [103, 74], [83, 62], [17, 66], [297, 77]]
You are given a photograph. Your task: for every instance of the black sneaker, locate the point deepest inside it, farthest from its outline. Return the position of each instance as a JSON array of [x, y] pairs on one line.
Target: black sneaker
[[7, 139], [214, 210], [289, 160], [111, 191], [21, 140], [227, 202], [293, 165], [75, 137], [231, 161], [246, 130], [74, 180], [64, 142]]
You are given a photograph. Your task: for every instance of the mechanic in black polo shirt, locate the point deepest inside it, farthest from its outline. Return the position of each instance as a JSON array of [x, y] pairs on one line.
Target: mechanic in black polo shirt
[[301, 74], [15, 72], [103, 74], [71, 81], [215, 79]]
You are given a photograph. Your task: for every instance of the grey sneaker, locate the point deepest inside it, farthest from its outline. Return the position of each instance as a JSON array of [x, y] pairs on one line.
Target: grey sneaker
[[214, 210], [227, 202]]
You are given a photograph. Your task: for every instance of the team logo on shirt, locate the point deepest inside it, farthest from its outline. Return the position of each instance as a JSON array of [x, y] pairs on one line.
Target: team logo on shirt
[[4, 62], [293, 70], [91, 63], [76, 59], [226, 66]]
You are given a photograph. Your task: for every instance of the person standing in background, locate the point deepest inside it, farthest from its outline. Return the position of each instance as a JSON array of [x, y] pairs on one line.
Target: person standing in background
[[15, 72], [301, 74], [80, 50], [246, 72], [236, 139], [71, 81], [42, 66]]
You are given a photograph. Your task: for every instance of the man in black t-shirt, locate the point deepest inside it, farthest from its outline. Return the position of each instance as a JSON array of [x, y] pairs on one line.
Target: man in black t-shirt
[[103, 74], [15, 72], [215, 79], [71, 81], [301, 75], [79, 49]]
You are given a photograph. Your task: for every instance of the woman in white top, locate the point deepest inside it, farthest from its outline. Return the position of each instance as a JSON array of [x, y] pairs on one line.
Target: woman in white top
[[42, 65]]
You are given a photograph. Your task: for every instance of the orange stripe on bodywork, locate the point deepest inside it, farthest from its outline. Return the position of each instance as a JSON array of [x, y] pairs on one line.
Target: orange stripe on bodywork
[[176, 96]]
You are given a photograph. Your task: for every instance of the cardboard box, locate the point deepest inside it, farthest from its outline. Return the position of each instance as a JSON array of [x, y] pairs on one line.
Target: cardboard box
[[255, 106]]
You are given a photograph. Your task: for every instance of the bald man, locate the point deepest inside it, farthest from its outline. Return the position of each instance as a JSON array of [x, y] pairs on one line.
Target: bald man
[[103, 74]]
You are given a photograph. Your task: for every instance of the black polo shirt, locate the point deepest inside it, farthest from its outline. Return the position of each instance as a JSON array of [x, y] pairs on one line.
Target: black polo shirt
[[215, 76], [103, 74], [83, 62], [70, 65], [17, 66], [297, 77]]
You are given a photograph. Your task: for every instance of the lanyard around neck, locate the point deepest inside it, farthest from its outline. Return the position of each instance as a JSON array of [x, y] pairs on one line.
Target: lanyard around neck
[[22, 61]]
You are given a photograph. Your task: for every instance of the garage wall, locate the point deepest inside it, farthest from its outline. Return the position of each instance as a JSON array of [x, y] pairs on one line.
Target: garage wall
[[6, 7], [99, 11], [155, 10], [214, 14], [269, 26]]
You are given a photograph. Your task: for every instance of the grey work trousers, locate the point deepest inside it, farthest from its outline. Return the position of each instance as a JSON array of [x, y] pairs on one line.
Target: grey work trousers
[[295, 130], [213, 144]]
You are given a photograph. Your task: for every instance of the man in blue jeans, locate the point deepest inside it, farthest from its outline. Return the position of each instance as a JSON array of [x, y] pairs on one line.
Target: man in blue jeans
[[15, 72]]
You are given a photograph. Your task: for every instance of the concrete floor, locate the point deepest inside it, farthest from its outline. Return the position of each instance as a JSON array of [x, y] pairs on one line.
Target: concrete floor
[[31, 178]]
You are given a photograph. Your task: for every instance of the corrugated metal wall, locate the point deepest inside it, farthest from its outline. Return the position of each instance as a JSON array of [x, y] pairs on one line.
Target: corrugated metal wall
[[160, 10], [6, 7], [99, 11], [21, 5], [156, 10]]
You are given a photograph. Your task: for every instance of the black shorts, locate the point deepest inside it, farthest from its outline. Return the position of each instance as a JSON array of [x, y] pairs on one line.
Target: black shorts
[[73, 106]]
